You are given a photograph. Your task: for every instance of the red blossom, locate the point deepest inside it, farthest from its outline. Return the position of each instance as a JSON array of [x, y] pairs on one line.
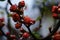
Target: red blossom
[[28, 20], [13, 8], [54, 9], [25, 35], [15, 17], [21, 4], [18, 25]]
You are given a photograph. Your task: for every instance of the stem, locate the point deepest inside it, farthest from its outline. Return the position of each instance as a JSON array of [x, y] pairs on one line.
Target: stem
[[2, 32], [50, 29], [5, 35], [30, 31], [9, 2], [32, 34]]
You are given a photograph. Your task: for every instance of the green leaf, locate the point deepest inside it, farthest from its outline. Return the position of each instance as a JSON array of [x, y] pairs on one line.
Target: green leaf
[[38, 18], [2, 0], [36, 35]]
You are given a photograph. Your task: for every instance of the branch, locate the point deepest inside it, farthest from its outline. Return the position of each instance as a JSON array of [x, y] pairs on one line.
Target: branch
[[54, 30], [29, 30], [5, 35], [32, 34], [9, 2], [50, 29]]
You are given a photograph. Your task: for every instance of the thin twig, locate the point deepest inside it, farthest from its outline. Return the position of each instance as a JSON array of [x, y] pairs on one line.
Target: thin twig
[[9, 2]]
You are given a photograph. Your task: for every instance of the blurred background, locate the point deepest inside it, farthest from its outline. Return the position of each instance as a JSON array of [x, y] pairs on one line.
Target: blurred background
[[32, 10]]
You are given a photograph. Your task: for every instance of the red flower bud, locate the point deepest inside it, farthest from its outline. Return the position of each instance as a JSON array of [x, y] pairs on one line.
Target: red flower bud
[[8, 33], [28, 20], [55, 15], [21, 4], [32, 21], [26, 35], [15, 17], [18, 25], [56, 37], [2, 19], [54, 9], [13, 8]]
